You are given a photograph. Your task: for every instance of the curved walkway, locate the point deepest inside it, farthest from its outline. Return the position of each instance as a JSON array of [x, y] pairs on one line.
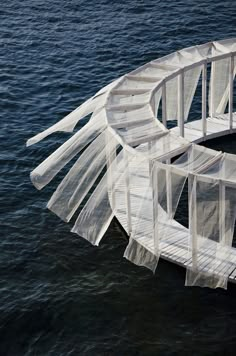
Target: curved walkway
[[134, 111]]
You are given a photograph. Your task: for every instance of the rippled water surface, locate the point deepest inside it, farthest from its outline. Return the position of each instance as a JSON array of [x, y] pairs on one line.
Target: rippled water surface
[[58, 294]]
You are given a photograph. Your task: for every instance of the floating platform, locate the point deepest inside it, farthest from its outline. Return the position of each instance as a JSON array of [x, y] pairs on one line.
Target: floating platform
[[140, 164]]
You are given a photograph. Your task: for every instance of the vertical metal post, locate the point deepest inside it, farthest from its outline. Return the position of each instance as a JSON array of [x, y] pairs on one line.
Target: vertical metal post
[[231, 86], [164, 112], [222, 211], [154, 185], [192, 217], [181, 103], [110, 160], [127, 193], [169, 189], [150, 161], [212, 86], [204, 99]]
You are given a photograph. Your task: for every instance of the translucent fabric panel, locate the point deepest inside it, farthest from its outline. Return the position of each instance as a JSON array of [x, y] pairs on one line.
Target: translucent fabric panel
[[158, 199], [219, 81], [80, 179], [134, 211], [45, 172], [169, 184], [191, 78], [137, 82], [211, 219], [130, 189], [155, 102], [116, 168], [163, 145], [204, 49], [196, 53], [179, 59], [117, 188], [96, 216], [229, 167], [140, 255], [140, 133], [143, 213], [176, 60], [68, 123], [124, 99], [139, 181], [225, 95], [218, 86], [155, 69], [196, 158], [172, 99], [228, 211], [225, 46], [124, 118], [142, 216], [225, 168]]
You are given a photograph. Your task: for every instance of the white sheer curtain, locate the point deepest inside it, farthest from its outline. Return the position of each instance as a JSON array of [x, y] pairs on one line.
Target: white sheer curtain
[[212, 217], [47, 170]]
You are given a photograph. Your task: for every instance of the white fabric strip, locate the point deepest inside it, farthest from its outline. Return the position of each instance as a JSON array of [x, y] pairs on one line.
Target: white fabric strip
[[68, 123], [139, 255], [45, 172], [79, 180], [96, 216]]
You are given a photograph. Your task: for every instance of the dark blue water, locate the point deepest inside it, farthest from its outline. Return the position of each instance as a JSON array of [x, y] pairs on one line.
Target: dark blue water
[[58, 294]]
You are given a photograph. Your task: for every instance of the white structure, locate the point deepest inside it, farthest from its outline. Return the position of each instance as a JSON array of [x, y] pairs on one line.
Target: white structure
[[130, 154]]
